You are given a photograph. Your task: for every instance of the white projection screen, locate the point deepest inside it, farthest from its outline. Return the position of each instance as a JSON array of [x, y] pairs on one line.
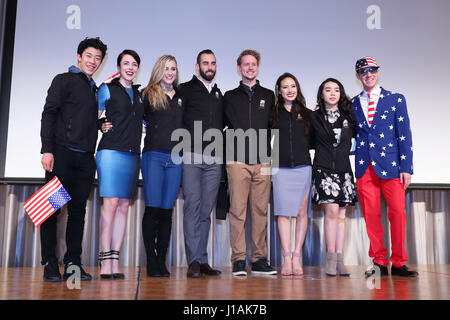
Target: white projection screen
[[311, 39]]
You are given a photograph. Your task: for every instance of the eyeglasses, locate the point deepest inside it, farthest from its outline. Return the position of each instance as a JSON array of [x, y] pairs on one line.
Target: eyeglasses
[[367, 70]]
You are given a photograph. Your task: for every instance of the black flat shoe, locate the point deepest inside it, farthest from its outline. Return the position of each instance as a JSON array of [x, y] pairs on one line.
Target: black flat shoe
[[372, 271], [106, 276], [207, 270], [163, 272], [118, 276], [153, 268], [153, 273], [194, 270], [403, 271]]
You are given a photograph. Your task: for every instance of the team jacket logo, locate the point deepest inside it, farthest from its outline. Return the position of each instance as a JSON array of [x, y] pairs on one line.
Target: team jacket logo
[[262, 104], [180, 102]]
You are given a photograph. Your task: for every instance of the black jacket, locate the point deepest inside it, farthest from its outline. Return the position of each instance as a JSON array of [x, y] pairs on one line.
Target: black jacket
[[70, 114], [126, 119], [294, 142], [201, 105], [161, 123], [248, 108], [329, 155]]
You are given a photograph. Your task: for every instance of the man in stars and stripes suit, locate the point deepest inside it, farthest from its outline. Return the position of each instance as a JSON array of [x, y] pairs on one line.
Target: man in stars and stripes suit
[[383, 163]]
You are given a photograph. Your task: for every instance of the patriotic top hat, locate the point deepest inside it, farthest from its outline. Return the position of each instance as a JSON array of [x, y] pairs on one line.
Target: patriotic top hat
[[365, 63]]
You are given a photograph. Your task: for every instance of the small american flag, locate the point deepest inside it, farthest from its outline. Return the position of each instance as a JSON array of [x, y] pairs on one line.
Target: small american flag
[[109, 79], [46, 201]]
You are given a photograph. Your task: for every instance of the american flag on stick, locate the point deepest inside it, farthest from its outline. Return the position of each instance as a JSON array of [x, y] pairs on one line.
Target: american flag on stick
[[46, 201], [109, 79]]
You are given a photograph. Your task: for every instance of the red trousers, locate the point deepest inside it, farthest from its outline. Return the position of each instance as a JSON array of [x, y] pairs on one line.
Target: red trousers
[[369, 187]]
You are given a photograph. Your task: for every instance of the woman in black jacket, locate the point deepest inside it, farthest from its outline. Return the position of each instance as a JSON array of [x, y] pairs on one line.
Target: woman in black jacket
[[292, 179], [161, 168], [333, 128], [118, 158]]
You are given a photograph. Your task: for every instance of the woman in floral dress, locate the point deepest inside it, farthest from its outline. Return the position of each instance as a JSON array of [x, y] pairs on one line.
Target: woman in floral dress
[[333, 186]]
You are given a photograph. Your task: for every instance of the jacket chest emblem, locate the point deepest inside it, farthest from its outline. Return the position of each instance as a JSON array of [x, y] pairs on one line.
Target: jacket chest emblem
[[180, 102], [217, 95], [262, 103]]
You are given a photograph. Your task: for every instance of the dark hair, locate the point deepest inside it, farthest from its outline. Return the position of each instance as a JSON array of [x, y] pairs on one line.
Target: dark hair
[[131, 53], [249, 52], [199, 56], [94, 43], [344, 103], [299, 103]]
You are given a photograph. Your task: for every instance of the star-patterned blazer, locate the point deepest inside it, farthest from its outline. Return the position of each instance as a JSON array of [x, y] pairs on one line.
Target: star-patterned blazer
[[387, 143]]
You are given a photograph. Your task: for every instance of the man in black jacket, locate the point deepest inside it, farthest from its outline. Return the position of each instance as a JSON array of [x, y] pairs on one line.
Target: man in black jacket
[[201, 172], [248, 110], [69, 136]]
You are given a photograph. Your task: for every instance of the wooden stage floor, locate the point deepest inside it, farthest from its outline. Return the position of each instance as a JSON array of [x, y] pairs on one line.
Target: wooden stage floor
[[433, 283]]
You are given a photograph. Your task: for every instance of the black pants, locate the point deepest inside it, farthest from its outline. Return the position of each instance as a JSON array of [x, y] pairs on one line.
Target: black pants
[[76, 171]]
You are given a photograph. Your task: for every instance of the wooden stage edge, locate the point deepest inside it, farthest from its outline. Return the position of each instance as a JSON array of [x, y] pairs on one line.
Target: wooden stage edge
[[433, 283]]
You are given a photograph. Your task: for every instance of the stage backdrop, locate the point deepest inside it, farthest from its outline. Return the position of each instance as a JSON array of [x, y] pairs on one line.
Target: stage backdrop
[[427, 227], [311, 39]]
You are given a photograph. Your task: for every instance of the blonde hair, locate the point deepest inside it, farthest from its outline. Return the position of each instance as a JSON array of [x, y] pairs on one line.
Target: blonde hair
[[153, 91]]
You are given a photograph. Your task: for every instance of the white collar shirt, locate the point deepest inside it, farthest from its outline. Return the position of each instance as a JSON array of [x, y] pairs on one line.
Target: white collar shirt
[[208, 86], [364, 100]]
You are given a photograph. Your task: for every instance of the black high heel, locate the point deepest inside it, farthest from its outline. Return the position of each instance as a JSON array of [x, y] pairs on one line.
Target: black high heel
[[101, 257], [117, 275]]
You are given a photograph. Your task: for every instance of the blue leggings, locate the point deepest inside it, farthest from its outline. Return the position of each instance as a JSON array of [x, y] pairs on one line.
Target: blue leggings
[[161, 178]]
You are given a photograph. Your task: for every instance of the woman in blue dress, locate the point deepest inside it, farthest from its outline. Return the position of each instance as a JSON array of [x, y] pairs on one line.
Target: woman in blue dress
[[161, 168], [117, 158]]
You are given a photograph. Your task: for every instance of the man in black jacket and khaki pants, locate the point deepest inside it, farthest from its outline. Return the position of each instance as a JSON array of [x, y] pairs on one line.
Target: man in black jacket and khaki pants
[[69, 136], [248, 110]]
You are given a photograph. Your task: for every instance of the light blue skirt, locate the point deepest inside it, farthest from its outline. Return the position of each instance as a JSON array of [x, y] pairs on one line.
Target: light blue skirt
[[117, 173], [290, 186]]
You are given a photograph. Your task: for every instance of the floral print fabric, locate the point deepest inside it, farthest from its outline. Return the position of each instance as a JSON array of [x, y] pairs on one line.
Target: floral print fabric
[[333, 188]]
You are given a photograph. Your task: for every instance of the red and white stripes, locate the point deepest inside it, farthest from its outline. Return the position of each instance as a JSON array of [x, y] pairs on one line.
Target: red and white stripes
[[371, 109], [38, 207]]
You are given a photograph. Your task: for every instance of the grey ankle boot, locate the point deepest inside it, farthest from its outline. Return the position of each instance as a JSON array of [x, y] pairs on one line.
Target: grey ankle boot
[[341, 269], [330, 264]]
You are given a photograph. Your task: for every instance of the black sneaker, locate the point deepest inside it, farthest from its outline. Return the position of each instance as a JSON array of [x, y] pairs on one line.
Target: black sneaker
[[239, 268], [51, 272], [262, 267], [84, 276]]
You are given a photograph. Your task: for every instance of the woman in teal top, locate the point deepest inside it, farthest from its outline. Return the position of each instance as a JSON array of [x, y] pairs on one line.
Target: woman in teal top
[[118, 158]]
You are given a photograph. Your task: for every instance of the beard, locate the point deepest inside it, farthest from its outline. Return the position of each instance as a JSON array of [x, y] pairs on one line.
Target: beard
[[207, 77]]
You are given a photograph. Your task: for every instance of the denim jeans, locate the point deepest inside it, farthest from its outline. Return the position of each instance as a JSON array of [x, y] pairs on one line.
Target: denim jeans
[[161, 178]]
